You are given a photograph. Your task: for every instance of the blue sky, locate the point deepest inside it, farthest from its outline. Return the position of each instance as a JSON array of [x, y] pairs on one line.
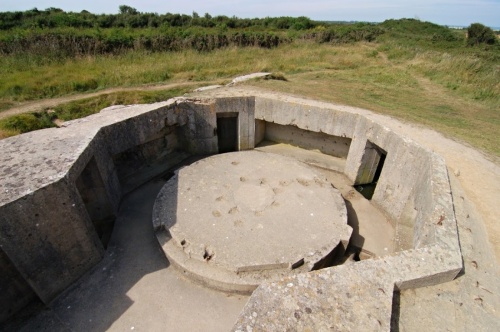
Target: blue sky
[[445, 12]]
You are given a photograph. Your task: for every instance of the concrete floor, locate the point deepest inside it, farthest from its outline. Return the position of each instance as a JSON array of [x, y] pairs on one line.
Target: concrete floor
[[236, 219], [135, 288], [372, 230]]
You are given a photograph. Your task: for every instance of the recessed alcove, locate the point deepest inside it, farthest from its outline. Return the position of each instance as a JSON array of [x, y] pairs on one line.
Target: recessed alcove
[[369, 173], [141, 163], [96, 201], [331, 145]]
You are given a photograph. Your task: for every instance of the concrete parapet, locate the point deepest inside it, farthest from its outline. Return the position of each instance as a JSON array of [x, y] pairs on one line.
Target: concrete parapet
[[49, 222]]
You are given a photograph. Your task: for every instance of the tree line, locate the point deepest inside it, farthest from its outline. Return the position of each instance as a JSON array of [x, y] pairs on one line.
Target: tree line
[[57, 34], [129, 17]]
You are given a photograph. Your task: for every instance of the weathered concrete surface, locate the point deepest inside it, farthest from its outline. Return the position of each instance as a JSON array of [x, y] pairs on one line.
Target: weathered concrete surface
[[375, 237], [468, 303], [135, 287], [333, 146], [42, 208], [400, 190], [413, 179], [42, 211], [346, 298], [253, 215], [16, 293]]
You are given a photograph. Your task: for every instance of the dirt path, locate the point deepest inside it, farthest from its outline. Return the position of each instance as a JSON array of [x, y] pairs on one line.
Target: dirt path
[[39, 105]]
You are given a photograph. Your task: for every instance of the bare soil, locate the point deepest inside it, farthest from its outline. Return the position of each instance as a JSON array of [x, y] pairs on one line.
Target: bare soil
[[40, 105]]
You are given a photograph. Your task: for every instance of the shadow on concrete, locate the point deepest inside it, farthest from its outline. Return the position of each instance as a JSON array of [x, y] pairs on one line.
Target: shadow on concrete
[[357, 240], [101, 297], [396, 305]]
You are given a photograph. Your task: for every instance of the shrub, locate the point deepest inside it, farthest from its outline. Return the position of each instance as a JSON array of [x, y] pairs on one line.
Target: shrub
[[27, 122], [480, 34]]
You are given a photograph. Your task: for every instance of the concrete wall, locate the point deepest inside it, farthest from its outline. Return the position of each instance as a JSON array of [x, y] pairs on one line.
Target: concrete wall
[[141, 163], [306, 116], [245, 108], [95, 198], [199, 135], [260, 131], [405, 161], [49, 238], [407, 185], [46, 229], [15, 293], [78, 178], [413, 189], [42, 210], [331, 145]]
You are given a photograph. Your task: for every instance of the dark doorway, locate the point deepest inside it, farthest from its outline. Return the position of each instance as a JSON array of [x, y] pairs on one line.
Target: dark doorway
[[95, 197], [227, 132], [372, 164]]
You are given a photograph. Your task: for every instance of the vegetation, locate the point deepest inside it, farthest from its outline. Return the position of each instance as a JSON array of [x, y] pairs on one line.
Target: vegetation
[[85, 107], [413, 70], [480, 34], [26, 122], [129, 17]]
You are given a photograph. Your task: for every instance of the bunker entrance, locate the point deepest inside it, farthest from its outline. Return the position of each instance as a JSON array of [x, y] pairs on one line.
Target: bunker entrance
[[227, 132], [94, 196], [372, 164]]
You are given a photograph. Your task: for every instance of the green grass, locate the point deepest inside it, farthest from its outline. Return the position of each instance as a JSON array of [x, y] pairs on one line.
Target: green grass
[[23, 123], [85, 107], [422, 73]]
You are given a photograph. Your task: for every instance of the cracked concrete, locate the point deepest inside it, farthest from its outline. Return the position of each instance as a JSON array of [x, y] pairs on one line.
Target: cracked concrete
[[435, 256]]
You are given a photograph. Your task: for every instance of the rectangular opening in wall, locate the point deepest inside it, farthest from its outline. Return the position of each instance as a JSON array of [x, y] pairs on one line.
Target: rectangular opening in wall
[[143, 162], [95, 197], [370, 170], [227, 132], [331, 145]]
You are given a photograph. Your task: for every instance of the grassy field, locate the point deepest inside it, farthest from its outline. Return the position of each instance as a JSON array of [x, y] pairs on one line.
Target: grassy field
[[413, 76]]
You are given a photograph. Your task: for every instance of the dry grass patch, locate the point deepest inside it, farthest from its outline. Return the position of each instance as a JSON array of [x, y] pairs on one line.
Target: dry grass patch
[[455, 91]]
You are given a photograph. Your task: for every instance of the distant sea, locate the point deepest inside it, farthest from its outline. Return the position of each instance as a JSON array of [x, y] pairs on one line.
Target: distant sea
[[446, 25], [462, 27]]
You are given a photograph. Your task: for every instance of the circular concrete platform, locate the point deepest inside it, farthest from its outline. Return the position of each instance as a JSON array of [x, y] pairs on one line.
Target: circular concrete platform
[[235, 219]]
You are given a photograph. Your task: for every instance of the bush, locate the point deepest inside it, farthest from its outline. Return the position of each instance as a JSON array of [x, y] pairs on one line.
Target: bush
[[480, 34], [27, 122]]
